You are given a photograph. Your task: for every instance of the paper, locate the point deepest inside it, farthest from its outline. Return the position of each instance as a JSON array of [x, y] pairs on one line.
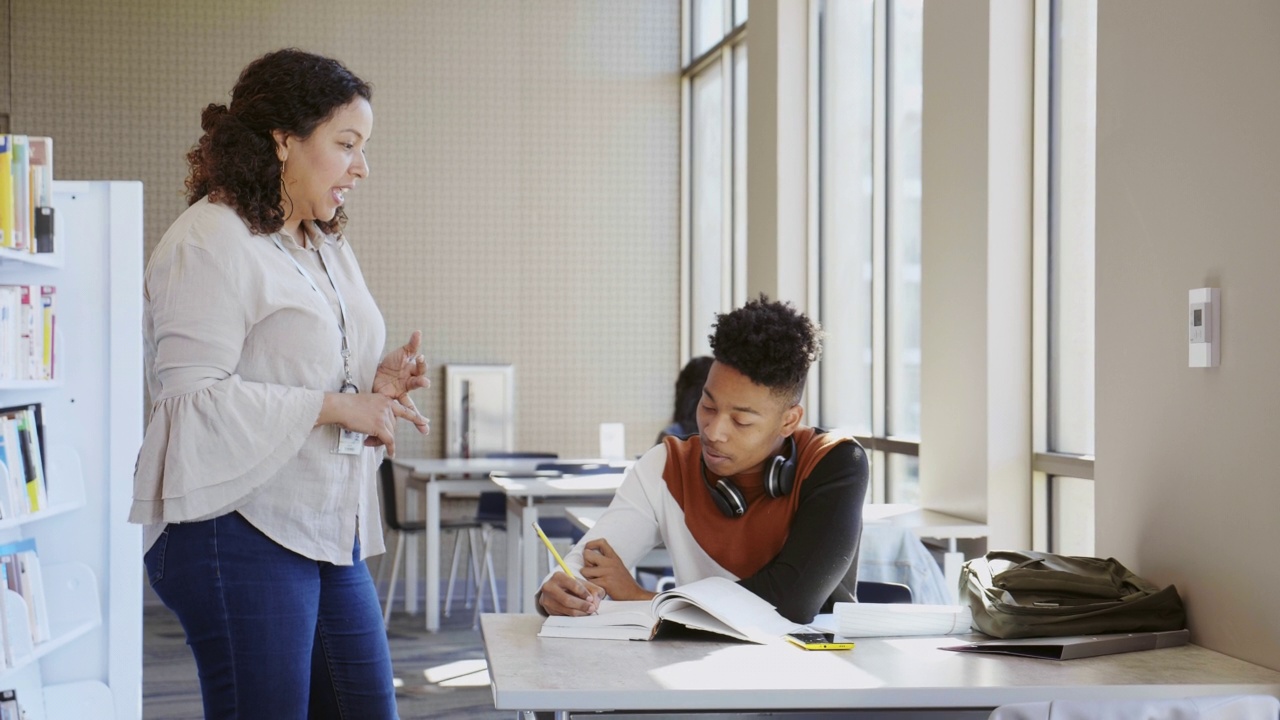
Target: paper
[[895, 620]]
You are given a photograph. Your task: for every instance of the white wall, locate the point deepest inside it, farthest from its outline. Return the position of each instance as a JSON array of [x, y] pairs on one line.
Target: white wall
[[1189, 196]]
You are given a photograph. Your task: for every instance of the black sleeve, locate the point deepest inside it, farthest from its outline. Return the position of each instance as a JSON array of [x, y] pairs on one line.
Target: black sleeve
[[817, 559]]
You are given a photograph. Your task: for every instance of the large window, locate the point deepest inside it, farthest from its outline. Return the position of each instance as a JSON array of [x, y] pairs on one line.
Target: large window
[[1064, 276], [869, 86], [714, 154]]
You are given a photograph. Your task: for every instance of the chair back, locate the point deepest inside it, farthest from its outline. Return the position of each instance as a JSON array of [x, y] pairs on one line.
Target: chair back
[[390, 496], [869, 591], [492, 508]]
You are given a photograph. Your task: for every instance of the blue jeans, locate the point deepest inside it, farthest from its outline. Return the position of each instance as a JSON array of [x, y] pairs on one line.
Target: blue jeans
[[275, 635]]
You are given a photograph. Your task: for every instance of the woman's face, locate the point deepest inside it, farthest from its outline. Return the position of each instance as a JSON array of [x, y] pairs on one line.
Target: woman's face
[[320, 170]]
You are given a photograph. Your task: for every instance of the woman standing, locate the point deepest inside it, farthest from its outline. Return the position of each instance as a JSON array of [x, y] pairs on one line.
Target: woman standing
[[256, 474]]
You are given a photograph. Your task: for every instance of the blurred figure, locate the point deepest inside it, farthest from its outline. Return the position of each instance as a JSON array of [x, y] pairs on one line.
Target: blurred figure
[[684, 419]]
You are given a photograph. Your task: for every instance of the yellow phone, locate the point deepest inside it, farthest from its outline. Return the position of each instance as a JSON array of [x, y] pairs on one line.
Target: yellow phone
[[818, 641]]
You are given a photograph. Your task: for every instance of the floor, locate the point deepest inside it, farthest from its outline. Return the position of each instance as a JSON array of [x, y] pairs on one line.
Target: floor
[[171, 691]]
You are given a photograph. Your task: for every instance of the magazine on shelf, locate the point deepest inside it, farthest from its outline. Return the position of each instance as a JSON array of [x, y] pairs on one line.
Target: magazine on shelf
[[714, 604]]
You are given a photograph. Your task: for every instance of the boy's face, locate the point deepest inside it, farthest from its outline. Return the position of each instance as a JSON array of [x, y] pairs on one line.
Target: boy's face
[[742, 424]]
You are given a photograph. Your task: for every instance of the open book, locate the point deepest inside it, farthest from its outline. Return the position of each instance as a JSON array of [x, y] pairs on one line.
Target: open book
[[713, 604]]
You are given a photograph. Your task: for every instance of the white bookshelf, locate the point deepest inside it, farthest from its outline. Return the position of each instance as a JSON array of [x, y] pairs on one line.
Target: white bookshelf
[[90, 557]]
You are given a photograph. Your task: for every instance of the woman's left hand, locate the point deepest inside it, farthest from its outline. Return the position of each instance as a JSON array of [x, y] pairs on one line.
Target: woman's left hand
[[402, 370]]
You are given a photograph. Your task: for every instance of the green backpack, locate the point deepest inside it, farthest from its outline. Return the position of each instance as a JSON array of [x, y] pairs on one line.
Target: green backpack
[[1016, 594]]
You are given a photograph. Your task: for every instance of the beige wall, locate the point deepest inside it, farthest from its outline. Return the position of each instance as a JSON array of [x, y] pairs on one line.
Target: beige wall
[[523, 200], [1189, 196]]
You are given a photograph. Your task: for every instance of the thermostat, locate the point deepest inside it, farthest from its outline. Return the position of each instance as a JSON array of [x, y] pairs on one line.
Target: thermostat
[[1203, 314]]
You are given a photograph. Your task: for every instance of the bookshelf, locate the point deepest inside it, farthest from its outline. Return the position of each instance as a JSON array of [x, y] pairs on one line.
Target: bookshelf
[[90, 556]]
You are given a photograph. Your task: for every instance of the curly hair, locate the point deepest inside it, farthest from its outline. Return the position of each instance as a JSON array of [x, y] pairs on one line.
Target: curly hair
[[235, 161], [771, 343]]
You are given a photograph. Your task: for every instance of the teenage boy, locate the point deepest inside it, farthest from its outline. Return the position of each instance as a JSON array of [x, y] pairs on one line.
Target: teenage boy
[[755, 497]]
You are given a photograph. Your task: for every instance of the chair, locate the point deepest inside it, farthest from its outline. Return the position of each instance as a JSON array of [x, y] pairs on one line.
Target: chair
[[869, 591], [393, 519]]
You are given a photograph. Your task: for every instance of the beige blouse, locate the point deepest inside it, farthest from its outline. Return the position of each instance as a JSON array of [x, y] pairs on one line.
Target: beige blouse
[[240, 349]]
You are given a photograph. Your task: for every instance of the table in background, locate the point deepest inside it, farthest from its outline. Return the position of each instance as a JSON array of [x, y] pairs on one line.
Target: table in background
[[435, 477], [880, 674], [525, 495]]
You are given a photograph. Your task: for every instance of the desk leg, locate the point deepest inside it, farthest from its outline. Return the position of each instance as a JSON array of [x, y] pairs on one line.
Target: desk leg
[[529, 558], [513, 556], [410, 562], [951, 562], [433, 556]]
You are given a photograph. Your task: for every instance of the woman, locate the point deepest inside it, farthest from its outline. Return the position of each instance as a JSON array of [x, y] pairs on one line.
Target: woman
[[270, 407]]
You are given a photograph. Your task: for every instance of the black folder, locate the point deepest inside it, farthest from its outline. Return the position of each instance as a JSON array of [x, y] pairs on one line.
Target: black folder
[[1074, 647]]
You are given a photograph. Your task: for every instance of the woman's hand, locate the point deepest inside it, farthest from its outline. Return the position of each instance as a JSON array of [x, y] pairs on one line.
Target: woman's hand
[[402, 370], [602, 566], [371, 414]]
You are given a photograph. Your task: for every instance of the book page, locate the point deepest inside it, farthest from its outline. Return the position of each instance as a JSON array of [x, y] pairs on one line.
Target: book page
[[731, 604], [611, 613]]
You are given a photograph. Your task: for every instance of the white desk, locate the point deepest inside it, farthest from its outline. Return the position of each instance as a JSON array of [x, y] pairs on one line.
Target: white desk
[[929, 524], [435, 477], [524, 497], [880, 674]]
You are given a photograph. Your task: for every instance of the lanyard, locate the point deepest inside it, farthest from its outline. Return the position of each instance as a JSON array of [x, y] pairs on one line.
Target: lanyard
[[342, 306]]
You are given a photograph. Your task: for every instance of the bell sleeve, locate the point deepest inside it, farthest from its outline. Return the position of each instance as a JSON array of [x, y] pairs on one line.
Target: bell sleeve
[[213, 437]]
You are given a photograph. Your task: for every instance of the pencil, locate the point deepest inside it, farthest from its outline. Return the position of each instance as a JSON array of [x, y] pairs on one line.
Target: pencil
[[546, 541]]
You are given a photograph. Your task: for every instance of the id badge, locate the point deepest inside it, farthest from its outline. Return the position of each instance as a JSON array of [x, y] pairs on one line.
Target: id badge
[[349, 442]]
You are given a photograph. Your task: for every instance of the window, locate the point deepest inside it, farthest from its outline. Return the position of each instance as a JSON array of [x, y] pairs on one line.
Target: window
[[1063, 369], [869, 85], [713, 222]]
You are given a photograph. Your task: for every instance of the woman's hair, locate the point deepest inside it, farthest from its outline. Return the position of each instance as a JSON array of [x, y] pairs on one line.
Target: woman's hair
[[771, 343], [235, 161], [689, 392]]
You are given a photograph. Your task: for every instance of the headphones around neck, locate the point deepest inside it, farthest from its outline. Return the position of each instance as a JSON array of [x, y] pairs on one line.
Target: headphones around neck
[[778, 481]]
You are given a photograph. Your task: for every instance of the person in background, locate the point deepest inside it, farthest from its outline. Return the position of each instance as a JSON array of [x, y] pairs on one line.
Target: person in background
[[271, 410], [754, 497], [684, 419]]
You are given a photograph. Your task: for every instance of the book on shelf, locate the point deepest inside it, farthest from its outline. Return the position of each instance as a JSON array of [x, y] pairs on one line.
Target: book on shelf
[[28, 318], [42, 226], [9, 707], [23, 576], [26, 194], [714, 604], [6, 192], [22, 453]]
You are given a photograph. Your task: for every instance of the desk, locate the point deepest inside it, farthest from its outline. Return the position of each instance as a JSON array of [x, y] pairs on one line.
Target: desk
[[524, 497], [435, 477], [929, 524], [532, 673]]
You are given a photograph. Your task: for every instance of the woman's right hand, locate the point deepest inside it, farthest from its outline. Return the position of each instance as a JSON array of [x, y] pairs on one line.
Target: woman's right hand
[[371, 414]]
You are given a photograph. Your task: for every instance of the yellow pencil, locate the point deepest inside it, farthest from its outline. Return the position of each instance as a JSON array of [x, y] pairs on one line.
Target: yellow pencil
[[546, 541]]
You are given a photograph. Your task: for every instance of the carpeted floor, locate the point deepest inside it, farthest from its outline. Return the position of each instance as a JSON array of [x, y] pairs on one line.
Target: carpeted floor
[[171, 691]]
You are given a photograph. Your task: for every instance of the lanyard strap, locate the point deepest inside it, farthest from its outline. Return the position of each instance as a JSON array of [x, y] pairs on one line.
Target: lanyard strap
[[342, 306]]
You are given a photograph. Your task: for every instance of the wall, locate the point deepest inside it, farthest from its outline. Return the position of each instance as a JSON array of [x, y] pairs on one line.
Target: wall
[[523, 200], [1188, 181]]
